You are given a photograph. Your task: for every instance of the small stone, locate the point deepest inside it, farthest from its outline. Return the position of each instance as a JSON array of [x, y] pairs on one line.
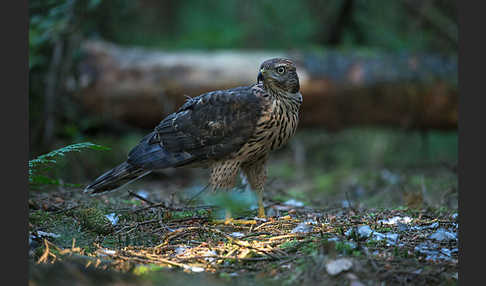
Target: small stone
[[294, 203], [311, 221], [105, 251], [442, 234], [351, 276], [113, 218], [446, 251], [143, 193], [47, 234], [396, 219], [364, 231], [402, 227], [433, 225], [427, 248], [180, 250], [237, 234], [348, 232], [211, 253], [196, 269], [337, 266], [432, 251], [430, 226], [345, 204], [392, 237], [302, 227]]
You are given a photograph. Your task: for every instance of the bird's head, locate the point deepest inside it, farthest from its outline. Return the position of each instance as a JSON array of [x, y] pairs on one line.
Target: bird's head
[[279, 75]]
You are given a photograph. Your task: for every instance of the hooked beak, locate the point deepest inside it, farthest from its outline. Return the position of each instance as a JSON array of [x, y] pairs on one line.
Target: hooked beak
[[260, 76]]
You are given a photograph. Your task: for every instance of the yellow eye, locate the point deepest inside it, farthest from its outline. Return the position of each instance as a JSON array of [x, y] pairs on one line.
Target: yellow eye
[[281, 70]]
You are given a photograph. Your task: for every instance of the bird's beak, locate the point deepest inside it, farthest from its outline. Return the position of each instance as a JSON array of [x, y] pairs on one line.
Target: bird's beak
[[260, 76]]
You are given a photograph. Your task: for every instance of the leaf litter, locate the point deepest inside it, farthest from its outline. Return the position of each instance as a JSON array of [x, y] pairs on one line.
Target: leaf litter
[[301, 245]]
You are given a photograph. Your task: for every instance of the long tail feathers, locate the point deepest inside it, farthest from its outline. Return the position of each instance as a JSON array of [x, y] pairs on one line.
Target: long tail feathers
[[116, 178]]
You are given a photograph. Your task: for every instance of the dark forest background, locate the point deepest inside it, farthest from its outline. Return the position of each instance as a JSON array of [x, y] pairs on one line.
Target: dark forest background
[[374, 157], [385, 150]]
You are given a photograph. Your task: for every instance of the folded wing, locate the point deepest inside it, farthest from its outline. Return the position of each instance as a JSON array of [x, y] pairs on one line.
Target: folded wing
[[208, 127]]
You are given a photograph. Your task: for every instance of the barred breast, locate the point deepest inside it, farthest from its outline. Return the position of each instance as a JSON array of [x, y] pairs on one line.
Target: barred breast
[[275, 127]]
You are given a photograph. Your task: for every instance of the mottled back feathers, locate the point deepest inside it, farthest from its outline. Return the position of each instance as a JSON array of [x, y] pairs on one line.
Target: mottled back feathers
[[207, 127]]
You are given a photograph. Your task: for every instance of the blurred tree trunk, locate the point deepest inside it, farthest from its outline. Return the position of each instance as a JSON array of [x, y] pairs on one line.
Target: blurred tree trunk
[[323, 12], [340, 90], [335, 18], [343, 20], [51, 91]]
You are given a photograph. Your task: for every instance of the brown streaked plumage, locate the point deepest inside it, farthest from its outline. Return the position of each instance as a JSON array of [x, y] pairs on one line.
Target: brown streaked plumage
[[225, 130]]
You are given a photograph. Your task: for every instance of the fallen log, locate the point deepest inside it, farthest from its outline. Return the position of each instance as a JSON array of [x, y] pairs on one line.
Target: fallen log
[[140, 86]]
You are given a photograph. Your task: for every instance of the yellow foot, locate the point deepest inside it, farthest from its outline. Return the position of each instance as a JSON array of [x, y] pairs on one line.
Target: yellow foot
[[261, 211]]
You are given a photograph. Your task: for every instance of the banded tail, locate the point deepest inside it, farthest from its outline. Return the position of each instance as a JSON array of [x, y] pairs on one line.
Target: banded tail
[[116, 178]]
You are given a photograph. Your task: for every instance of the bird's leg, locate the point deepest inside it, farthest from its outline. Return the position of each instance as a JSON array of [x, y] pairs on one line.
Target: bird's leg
[[227, 217], [256, 174], [261, 208], [222, 178]]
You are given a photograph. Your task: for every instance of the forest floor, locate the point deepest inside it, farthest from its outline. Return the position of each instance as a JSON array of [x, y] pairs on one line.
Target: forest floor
[[144, 241], [338, 226]]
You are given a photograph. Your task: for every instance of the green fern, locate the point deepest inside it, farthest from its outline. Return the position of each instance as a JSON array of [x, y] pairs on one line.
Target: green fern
[[48, 160]]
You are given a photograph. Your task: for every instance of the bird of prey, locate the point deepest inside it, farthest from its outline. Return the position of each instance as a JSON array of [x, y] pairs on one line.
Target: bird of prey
[[224, 130]]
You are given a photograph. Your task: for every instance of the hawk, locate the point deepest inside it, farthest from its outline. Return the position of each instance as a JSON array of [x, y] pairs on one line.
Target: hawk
[[226, 131]]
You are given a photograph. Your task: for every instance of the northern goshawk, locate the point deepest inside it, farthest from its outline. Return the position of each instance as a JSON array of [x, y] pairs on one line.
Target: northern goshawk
[[224, 130]]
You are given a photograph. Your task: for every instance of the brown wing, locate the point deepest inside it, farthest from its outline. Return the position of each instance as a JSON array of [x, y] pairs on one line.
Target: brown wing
[[210, 126]]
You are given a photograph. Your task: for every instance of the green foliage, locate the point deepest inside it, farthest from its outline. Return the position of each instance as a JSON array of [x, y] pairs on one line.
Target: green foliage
[[310, 248], [145, 269], [189, 214], [56, 28], [256, 24], [289, 244], [67, 226], [51, 21], [46, 161], [344, 247], [94, 220], [40, 218], [399, 252]]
